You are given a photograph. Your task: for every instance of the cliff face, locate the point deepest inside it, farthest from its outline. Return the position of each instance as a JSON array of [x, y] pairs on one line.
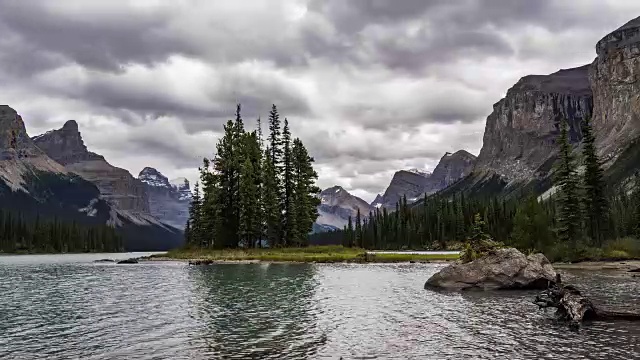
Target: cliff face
[[168, 202], [451, 168], [521, 132], [19, 156], [614, 78], [116, 185]]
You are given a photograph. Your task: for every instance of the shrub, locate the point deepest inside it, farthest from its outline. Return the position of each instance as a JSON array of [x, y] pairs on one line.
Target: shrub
[[479, 244]]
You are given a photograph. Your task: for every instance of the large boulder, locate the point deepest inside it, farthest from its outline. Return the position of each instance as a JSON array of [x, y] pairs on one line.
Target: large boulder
[[501, 269]]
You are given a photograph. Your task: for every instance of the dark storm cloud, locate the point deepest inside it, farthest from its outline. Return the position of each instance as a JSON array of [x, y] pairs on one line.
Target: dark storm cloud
[[96, 40], [375, 84]]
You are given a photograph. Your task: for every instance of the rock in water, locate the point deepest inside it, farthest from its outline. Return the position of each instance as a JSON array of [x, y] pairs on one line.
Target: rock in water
[[128, 261], [502, 269]]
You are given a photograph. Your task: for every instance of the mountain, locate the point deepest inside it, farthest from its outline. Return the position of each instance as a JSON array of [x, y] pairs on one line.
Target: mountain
[[414, 184], [519, 145], [378, 201], [405, 183], [65, 179], [116, 185], [168, 200], [450, 168], [520, 133], [336, 206]]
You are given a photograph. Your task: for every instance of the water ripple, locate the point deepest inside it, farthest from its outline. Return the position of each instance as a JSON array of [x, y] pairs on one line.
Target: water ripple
[[68, 307]]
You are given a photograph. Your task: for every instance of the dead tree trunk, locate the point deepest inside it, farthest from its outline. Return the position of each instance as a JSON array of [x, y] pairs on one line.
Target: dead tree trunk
[[574, 307]]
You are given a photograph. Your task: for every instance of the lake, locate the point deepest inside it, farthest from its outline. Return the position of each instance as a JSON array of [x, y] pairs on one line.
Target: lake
[[67, 307]]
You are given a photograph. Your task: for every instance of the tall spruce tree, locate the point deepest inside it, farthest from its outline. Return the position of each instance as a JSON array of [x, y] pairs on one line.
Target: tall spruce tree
[[195, 219], [288, 219], [596, 207], [209, 209], [275, 140], [305, 198], [248, 225], [225, 166], [568, 200], [271, 200]]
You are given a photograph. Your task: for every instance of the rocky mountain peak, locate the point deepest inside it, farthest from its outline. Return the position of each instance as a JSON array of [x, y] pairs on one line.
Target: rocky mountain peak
[[451, 168], [153, 177], [337, 205], [334, 195], [65, 145], [117, 185], [18, 154], [14, 141], [70, 125], [378, 201]]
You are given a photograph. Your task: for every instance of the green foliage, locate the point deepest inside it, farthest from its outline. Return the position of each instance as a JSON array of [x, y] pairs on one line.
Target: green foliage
[[568, 197], [595, 202], [580, 221], [38, 236], [327, 254], [531, 231], [250, 196], [479, 242]]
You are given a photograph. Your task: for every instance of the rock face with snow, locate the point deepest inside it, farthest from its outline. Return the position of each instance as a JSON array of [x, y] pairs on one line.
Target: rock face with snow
[[520, 135], [34, 184], [116, 185], [337, 205], [504, 269], [168, 200]]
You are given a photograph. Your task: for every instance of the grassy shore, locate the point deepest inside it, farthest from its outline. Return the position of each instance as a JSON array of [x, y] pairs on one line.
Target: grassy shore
[[322, 254]]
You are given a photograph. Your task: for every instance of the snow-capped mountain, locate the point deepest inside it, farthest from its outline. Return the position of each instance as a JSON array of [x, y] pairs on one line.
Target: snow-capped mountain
[[183, 187], [168, 200], [337, 205]]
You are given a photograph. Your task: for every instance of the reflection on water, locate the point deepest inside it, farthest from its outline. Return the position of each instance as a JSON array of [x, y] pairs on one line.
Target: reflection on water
[[257, 311], [78, 309]]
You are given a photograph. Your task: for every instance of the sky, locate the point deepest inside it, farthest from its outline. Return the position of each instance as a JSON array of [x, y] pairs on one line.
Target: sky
[[369, 86]]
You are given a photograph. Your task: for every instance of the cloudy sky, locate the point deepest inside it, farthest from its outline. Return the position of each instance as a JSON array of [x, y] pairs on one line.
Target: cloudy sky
[[370, 86]]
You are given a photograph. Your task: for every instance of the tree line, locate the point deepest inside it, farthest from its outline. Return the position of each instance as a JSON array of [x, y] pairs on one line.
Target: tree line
[[578, 220], [18, 234], [252, 194]]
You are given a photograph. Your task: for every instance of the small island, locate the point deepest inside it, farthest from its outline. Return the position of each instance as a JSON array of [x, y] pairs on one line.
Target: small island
[[310, 254]]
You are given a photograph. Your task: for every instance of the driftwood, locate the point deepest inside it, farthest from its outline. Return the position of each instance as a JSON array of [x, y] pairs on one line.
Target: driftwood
[[573, 307]]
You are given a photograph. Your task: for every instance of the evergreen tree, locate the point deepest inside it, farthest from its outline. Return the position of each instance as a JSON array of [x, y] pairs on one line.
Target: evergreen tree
[[275, 141], [531, 226], [305, 198], [569, 212], [596, 208], [225, 165], [249, 228], [271, 201], [195, 219], [288, 217]]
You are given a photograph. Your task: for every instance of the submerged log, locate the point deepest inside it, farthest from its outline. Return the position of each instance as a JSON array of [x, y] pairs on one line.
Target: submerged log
[[128, 261], [573, 307], [201, 262]]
